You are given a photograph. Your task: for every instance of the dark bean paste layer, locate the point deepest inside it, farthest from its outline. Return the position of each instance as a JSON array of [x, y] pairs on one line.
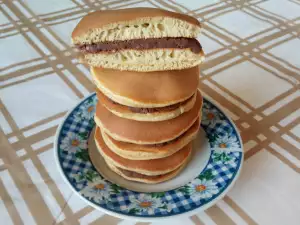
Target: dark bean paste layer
[[141, 44], [133, 174], [153, 110]]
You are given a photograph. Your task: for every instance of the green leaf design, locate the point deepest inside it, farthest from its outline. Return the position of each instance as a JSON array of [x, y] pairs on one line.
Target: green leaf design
[[212, 138], [115, 189], [184, 189], [91, 175], [109, 202], [77, 116], [83, 155], [134, 211], [90, 100], [79, 177], [84, 135], [207, 175], [216, 157], [157, 194], [91, 123], [164, 207], [221, 157]]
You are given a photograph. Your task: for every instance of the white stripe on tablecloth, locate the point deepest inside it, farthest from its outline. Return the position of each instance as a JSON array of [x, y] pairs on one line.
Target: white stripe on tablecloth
[[183, 220], [42, 127], [127, 222], [231, 213], [206, 219], [285, 154], [4, 124], [46, 194], [290, 118], [281, 103], [80, 87], [4, 214], [89, 218], [291, 141], [42, 143], [17, 198], [74, 202]]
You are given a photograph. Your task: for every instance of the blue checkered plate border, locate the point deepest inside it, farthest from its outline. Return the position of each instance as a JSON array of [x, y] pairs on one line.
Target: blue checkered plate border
[[212, 183]]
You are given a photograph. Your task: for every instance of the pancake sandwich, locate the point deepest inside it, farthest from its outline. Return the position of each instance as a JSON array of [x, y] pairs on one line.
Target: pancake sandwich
[[152, 96], [145, 64], [139, 39], [141, 132]]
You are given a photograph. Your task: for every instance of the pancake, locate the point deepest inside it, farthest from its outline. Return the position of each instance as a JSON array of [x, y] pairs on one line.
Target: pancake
[[141, 132], [148, 60], [133, 176], [147, 114], [147, 90], [147, 167], [154, 151], [133, 23]]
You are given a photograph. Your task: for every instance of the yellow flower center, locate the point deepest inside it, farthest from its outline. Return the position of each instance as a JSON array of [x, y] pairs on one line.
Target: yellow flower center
[[145, 204], [90, 109], [200, 188], [75, 143], [99, 186], [222, 145], [210, 116]]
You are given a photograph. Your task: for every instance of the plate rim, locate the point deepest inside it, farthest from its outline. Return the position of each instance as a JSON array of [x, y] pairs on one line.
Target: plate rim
[[143, 218]]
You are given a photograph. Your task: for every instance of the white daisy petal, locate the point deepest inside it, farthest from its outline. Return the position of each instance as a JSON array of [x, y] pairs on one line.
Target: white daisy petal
[[195, 197], [151, 211], [169, 207]]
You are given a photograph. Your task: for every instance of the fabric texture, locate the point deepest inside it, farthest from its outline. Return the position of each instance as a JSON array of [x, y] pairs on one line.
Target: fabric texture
[[251, 70]]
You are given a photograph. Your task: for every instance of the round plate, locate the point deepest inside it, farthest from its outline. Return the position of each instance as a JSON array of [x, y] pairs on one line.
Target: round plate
[[210, 184]]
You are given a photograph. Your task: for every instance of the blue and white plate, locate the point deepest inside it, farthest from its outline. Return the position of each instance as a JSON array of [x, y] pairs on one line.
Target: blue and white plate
[[211, 182]]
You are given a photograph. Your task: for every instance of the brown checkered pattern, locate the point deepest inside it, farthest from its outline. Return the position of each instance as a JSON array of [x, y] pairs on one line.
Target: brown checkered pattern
[[252, 71]]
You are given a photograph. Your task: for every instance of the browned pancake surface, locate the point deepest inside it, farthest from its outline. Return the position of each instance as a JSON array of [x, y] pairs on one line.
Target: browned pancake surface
[[142, 132], [154, 165], [159, 87]]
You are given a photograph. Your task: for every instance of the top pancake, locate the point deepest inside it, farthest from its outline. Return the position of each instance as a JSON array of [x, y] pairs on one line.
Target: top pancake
[[147, 89], [109, 19]]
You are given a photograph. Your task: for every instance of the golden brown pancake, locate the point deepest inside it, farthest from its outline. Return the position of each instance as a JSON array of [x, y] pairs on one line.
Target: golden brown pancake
[[147, 167], [147, 114], [141, 132], [154, 151], [133, 176], [147, 90], [103, 20]]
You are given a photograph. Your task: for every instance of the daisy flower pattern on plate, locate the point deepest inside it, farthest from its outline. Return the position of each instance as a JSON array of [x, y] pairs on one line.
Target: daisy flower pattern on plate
[[97, 190], [210, 116], [89, 111], [223, 147], [145, 203], [228, 143], [77, 116], [201, 189], [73, 143]]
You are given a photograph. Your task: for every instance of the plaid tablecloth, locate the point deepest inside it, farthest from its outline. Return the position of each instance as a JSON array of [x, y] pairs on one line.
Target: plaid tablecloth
[[251, 70]]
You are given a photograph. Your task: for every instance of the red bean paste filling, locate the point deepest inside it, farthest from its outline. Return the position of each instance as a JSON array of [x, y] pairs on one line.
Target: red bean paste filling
[[153, 110], [142, 44], [133, 174]]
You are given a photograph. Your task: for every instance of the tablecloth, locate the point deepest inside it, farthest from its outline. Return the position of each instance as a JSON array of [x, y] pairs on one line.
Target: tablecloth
[[251, 70]]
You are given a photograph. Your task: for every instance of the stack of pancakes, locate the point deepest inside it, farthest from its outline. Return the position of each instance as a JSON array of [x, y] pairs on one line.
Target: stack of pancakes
[[149, 109]]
